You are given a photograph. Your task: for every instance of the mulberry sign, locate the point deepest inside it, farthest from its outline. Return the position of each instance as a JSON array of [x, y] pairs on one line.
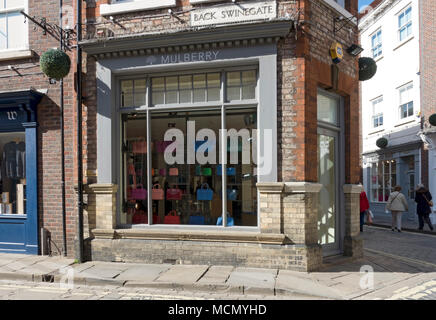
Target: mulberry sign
[[240, 12]]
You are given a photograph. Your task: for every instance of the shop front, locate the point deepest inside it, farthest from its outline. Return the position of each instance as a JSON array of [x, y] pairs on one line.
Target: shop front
[[189, 162], [18, 172]]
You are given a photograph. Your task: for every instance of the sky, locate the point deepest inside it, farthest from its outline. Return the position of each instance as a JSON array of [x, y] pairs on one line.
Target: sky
[[364, 3]]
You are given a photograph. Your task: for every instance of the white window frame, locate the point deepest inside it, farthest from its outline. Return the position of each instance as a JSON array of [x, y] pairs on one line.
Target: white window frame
[[377, 185], [379, 45], [25, 46], [374, 102], [406, 87], [125, 6], [406, 24]]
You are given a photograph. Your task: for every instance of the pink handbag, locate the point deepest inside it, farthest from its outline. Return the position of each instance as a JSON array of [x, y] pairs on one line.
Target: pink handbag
[[174, 194], [174, 172], [139, 193], [162, 172], [139, 146], [162, 145], [157, 193]]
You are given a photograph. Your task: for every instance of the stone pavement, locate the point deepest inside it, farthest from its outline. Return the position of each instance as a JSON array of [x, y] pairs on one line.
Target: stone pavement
[[385, 220], [400, 265]]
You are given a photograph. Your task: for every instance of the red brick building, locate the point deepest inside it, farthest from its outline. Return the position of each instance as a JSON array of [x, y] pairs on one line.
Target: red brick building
[[159, 71], [31, 115], [280, 192]]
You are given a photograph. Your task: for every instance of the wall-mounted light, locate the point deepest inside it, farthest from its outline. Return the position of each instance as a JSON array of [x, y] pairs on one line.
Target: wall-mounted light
[[354, 50]]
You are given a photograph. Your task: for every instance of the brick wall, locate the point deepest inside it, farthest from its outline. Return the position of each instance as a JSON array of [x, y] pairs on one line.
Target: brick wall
[[48, 113]]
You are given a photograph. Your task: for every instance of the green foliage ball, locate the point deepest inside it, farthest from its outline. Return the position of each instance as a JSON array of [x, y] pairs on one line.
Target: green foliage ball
[[55, 64]]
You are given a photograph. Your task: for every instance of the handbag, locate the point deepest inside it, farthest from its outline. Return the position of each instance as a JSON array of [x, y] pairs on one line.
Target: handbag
[[430, 203], [369, 216], [162, 172], [206, 172], [232, 194], [174, 194], [139, 147], [231, 171], [139, 193], [204, 194], [230, 221], [162, 145], [174, 171], [157, 193], [140, 218], [198, 220], [172, 218]]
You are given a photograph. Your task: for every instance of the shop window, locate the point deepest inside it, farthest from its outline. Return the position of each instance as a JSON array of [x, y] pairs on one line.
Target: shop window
[[183, 183], [383, 179], [405, 24], [13, 30], [133, 93], [12, 173], [241, 85], [406, 101], [196, 88]]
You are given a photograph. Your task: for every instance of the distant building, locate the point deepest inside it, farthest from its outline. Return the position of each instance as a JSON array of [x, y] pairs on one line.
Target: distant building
[[392, 104]]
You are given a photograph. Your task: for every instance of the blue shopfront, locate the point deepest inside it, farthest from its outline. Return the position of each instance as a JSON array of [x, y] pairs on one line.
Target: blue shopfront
[[18, 172]]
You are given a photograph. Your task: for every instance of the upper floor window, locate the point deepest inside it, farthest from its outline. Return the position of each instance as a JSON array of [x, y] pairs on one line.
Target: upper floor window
[[13, 30], [341, 2], [376, 44], [377, 112], [405, 23], [406, 100]]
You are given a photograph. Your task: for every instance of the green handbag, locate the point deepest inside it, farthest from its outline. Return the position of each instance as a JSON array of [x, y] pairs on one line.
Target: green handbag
[[207, 171]]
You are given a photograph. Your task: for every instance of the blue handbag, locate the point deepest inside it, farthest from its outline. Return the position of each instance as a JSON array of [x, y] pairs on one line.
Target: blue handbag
[[198, 220], [231, 171], [232, 195], [204, 194], [230, 221]]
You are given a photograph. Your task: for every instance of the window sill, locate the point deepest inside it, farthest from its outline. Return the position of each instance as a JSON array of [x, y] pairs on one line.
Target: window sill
[[402, 43], [125, 7], [377, 130], [204, 1], [405, 121], [170, 233], [378, 58], [15, 54]]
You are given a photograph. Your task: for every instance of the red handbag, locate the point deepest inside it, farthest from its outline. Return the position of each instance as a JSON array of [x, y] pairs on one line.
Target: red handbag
[[139, 193], [157, 193], [174, 194], [174, 171], [140, 218], [172, 218], [139, 146]]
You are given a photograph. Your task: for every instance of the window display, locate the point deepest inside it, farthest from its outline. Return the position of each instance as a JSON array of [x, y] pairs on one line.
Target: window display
[[383, 179], [185, 175], [12, 173]]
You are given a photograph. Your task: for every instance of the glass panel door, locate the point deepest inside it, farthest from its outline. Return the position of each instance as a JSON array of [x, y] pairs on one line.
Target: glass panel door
[[328, 220]]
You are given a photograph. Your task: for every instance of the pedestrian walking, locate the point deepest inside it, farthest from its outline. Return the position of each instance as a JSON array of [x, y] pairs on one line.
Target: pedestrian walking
[[364, 206], [397, 204], [424, 204]]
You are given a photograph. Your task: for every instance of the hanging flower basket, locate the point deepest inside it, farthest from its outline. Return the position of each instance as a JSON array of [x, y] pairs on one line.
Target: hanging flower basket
[[367, 68], [382, 143], [432, 119], [55, 64]]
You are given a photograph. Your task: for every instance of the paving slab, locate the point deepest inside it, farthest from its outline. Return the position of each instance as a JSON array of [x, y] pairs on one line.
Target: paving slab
[[288, 281], [254, 281], [146, 272], [183, 274], [99, 272], [216, 275]]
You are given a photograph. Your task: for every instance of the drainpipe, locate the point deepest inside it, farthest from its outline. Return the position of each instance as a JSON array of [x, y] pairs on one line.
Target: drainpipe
[[64, 223], [79, 131]]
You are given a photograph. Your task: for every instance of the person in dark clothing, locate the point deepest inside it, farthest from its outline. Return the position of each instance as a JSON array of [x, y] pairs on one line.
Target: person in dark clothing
[[423, 209]]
